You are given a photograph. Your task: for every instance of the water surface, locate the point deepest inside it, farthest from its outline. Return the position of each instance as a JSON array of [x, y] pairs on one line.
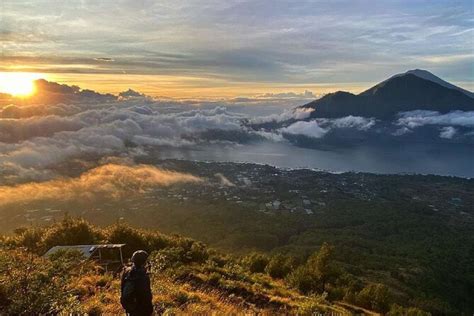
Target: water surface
[[439, 159]]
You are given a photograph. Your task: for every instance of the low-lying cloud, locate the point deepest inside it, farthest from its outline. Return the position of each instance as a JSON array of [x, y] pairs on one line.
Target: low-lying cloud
[[289, 114], [318, 128], [419, 118], [357, 122], [449, 122], [42, 141], [110, 181], [290, 95], [223, 181], [447, 132], [308, 129], [14, 130]]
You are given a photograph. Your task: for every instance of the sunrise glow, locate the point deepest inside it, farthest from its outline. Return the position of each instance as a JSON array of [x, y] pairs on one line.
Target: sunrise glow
[[19, 84]]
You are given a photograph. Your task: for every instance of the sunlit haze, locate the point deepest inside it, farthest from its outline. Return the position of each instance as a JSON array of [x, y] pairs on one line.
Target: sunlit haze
[[19, 84]]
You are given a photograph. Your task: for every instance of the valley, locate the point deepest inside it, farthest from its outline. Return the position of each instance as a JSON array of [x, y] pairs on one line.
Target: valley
[[398, 230]]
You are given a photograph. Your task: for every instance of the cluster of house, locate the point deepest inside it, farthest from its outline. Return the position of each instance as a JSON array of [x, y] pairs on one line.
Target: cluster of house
[[307, 206]]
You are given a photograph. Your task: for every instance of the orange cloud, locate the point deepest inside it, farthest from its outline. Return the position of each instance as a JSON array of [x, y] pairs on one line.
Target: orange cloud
[[110, 181]]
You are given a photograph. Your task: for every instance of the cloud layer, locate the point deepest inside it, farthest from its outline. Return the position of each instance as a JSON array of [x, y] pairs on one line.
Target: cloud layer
[[36, 137], [318, 128], [415, 119], [109, 181], [449, 123], [309, 129]]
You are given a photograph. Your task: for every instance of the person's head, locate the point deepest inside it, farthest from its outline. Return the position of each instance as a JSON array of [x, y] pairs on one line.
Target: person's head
[[139, 258]]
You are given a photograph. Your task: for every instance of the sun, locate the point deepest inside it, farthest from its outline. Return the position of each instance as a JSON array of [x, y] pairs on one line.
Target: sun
[[18, 84]]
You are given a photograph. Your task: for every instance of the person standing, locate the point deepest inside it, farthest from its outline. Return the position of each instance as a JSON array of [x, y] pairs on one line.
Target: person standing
[[136, 296]]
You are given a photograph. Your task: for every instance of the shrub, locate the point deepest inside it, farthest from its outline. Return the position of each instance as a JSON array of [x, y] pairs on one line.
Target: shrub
[[375, 296], [32, 285], [321, 266], [167, 258], [30, 238], [256, 262], [133, 238], [214, 278], [397, 310], [181, 297], [279, 266], [316, 305], [302, 280], [70, 232], [197, 253]]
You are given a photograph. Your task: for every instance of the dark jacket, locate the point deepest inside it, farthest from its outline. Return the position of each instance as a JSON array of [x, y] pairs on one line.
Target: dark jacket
[[136, 297]]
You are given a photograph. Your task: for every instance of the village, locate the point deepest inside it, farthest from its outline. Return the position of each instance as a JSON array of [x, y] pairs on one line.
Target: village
[[257, 188]]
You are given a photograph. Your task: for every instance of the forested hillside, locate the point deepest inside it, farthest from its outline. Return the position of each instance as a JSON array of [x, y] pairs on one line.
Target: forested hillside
[[411, 233], [187, 277]]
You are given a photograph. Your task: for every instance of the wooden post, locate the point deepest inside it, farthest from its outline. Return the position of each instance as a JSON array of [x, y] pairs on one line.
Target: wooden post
[[121, 257]]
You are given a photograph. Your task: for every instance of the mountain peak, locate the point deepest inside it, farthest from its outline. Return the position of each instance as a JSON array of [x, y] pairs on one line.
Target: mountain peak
[[415, 89], [420, 72], [425, 74]]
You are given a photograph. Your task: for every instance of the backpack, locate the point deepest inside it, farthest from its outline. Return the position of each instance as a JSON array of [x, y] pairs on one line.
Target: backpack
[[127, 298]]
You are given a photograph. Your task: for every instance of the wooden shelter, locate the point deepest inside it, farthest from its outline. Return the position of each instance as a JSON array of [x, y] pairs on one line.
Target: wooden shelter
[[108, 256]]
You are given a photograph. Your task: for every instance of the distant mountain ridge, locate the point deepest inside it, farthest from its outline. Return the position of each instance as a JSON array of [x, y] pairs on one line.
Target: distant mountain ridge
[[414, 90]]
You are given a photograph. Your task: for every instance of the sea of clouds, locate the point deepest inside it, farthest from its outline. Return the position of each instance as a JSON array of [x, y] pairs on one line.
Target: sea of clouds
[[35, 137]]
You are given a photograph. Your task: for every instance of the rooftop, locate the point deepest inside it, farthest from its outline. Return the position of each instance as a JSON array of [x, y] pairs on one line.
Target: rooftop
[[86, 250]]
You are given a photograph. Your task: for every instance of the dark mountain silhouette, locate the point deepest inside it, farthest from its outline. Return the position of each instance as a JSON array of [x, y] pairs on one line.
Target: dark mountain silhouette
[[404, 92], [424, 74]]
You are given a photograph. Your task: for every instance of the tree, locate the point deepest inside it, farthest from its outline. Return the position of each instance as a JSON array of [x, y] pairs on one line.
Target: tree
[[321, 265]]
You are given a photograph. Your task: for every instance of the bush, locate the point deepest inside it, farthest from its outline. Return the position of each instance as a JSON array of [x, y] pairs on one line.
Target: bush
[[70, 232], [30, 238], [279, 266], [133, 238], [375, 296], [71, 262], [167, 258], [217, 259], [397, 310], [316, 305], [321, 266], [197, 253], [256, 262], [32, 285], [214, 278], [302, 280]]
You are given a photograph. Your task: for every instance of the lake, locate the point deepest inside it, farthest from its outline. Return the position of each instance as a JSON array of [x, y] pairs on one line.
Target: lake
[[439, 159]]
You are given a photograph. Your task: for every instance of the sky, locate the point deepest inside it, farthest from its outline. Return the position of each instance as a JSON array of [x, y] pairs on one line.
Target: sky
[[215, 48]]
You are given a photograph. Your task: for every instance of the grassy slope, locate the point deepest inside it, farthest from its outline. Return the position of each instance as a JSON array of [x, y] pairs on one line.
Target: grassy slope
[[187, 277], [196, 291]]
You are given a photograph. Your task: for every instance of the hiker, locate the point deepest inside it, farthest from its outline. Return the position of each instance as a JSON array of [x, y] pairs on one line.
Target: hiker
[[135, 288]]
